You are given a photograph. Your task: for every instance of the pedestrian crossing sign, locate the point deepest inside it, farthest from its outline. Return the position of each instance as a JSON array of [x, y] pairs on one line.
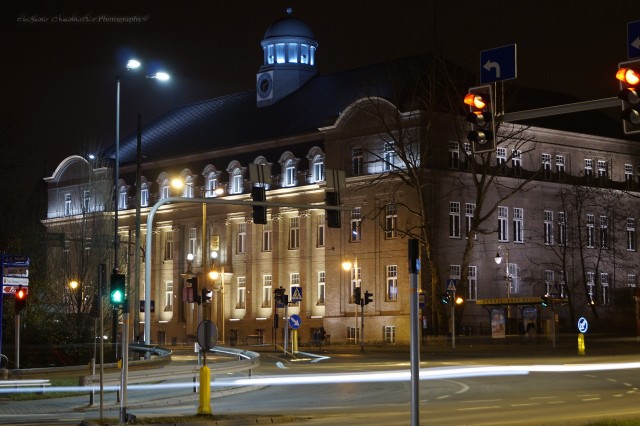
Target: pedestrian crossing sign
[[296, 294]]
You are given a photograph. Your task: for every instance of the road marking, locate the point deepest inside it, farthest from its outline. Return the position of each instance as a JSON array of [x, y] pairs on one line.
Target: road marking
[[488, 407], [525, 404], [556, 402], [542, 397], [590, 399], [279, 364]]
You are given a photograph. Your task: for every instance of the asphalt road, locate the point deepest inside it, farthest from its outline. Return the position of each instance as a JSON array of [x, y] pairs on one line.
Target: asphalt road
[[548, 393]]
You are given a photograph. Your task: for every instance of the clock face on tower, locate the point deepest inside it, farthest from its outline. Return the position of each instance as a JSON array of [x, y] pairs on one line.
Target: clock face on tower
[[264, 85]]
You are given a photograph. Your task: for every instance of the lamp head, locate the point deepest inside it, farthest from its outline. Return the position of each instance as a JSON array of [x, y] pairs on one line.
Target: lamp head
[[498, 258], [133, 64]]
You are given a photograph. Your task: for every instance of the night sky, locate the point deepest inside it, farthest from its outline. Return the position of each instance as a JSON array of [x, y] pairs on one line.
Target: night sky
[[60, 59]]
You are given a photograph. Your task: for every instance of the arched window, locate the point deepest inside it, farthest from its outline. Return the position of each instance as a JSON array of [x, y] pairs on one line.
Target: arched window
[[188, 187], [122, 197], [144, 194], [165, 188]]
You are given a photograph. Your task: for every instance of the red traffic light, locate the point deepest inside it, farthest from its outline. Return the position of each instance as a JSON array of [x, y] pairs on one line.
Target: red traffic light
[[21, 299], [475, 101], [629, 76], [21, 294]]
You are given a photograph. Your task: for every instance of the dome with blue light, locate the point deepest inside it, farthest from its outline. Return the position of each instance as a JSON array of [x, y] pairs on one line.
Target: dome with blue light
[[289, 27]]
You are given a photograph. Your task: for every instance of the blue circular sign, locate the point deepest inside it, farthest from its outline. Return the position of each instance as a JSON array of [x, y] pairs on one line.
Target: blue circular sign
[[295, 321], [583, 325]]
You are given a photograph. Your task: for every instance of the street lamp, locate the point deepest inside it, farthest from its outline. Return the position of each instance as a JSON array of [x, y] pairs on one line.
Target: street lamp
[[355, 277], [214, 274]]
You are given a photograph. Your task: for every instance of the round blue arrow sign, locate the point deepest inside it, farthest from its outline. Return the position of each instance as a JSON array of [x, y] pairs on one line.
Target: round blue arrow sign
[[295, 321], [583, 325]]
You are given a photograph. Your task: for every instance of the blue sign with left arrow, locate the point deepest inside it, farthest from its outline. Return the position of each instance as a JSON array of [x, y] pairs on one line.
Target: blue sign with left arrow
[[498, 64]]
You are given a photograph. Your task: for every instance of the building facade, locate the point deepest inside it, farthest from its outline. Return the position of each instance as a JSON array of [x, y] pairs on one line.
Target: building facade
[[569, 230]]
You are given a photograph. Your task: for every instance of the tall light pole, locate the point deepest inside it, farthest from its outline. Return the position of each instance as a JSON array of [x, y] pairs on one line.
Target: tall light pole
[[346, 265], [132, 64]]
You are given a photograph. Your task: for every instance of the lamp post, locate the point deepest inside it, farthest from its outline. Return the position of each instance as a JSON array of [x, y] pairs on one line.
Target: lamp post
[[498, 260], [214, 274], [346, 265]]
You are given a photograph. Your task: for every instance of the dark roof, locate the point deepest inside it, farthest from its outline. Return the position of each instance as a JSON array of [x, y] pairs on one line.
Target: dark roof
[[235, 119]]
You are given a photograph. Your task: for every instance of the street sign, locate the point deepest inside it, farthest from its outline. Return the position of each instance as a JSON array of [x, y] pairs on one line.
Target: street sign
[[633, 40], [451, 284], [15, 271], [498, 64], [583, 325], [295, 321], [15, 281], [207, 334], [296, 294], [11, 289]]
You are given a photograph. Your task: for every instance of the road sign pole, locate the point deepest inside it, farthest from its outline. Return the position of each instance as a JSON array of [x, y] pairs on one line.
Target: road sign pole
[[413, 255], [286, 325], [362, 324], [1, 298]]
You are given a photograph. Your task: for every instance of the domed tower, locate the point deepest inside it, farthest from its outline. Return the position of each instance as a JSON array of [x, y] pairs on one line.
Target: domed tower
[[289, 48]]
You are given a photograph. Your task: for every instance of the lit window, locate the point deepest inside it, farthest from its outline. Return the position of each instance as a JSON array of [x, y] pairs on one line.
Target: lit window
[[548, 227], [280, 59], [318, 169], [165, 189], [267, 286], [560, 165], [472, 284], [503, 228], [392, 282], [122, 198], [168, 245], [516, 162], [289, 174], [241, 294], [518, 225], [266, 236], [188, 187], [294, 233], [193, 242], [321, 231], [391, 219], [144, 196], [67, 204], [546, 166], [470, 210], [501, 160], [168, 296], [562, 229], [588, 169], [242, 238], [237, 183], [212, 184], [356, 161], [389, 157], [293, 52], [321, 287], [356, 225]]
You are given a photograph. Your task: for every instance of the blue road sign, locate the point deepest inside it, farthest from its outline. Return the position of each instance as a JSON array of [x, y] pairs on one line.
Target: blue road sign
[[498, 64], [295, 321], [583, 325], [633, 40], [296, 294]]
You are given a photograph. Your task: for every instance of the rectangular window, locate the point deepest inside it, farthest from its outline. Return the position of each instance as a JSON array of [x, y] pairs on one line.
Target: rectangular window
[[144, 197], [631, 234], [604, 282], [591, 287], [304, 53], [294, 284], [588, 169], [166, 191], [193, 242], [67, 204], [631, 280], [168, 296], [389, 157], [392, 283], [503, 227], [320, 231], [546, 166], [267, 289], [294, 233], [290, 176], [237, 184], [501, 160], [548, 228], [560, 167], [86, 201], [241, 294], [321, 287], [266, 236], [391, 219], [389, 332], [318, 171], [469, 156], [628, 175], [356, 280], [122, 199], [168, 245], [212, 185], [562, 229], [356, 223], [518, 225], [516, 162], [604, 232], [356, 161], [242, 238], [454, 155], [548, 282], [602, 172], [455, 271], [292, 52], [472, 284], [591, 231], [454, 219], [514, 278], [470, 210]]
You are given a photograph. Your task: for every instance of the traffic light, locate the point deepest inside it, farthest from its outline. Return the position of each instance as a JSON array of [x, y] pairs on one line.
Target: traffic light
[[483, 132], [357, 295], [21, 299], [207, 295], [368, 297], [259, 212], [445, 298], [192, 291], [116, 293], [629, 76], [333, 216], [544, 300]]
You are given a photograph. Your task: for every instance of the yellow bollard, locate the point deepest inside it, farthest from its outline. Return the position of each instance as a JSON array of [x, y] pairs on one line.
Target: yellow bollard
[[204, 400], [581, 344], [294, 341]]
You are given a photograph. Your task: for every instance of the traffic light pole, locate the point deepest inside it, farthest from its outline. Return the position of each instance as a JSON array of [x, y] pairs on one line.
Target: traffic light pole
[[561, 109], [362, 325]]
